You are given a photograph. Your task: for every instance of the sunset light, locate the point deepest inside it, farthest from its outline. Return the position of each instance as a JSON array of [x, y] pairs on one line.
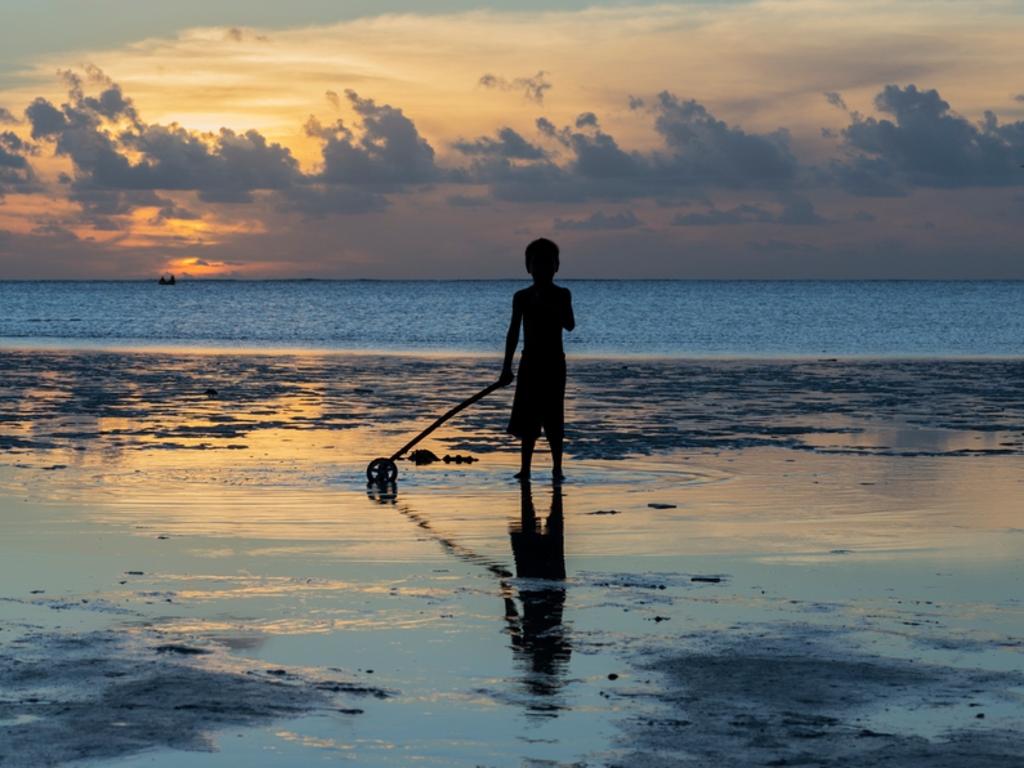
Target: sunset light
[[467, 384], [621, 113]]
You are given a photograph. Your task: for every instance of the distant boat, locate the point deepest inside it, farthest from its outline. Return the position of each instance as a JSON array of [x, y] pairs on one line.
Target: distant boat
[[166, 280]]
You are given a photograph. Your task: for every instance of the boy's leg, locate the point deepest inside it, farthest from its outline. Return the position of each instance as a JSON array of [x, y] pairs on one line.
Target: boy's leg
[[555, 441], [527, 458]]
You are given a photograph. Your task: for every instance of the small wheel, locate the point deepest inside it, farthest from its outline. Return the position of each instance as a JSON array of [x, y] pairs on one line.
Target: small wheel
[[381, 472]]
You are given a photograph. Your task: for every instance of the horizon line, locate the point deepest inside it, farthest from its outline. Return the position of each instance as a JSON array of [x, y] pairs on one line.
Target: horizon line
[[516, 279]]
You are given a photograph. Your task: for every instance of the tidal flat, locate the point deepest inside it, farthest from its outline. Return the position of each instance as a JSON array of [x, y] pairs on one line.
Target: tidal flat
[[813, 562]]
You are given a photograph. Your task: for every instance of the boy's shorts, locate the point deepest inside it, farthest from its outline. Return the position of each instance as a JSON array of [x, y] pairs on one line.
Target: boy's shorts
[[539, 402]]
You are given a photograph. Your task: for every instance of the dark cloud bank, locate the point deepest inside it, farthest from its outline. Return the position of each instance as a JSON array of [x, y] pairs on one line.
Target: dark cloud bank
[[581, 162], [16, 173], [120, 162], [923, 143]]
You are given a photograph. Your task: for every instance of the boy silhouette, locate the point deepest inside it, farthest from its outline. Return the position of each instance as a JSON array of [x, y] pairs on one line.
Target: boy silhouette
[[543, 310]]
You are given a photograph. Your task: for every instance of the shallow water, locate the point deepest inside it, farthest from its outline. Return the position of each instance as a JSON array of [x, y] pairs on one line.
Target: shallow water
[[331, 582], [863, 532]]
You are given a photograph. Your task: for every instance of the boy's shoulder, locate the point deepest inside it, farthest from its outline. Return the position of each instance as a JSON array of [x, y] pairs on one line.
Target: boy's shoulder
[[562, 293]]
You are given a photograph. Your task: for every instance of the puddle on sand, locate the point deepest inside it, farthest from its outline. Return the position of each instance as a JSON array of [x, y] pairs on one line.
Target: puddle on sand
[[904, 439]]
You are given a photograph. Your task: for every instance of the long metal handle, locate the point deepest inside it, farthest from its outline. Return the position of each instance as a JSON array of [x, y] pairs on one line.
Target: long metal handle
[[442, 419]]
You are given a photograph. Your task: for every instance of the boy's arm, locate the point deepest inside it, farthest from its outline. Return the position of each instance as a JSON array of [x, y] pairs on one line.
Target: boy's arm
[[568, 318], [511, 341]]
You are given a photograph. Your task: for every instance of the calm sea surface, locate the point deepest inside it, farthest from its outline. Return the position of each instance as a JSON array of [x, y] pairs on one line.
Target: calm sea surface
[[673, 318]]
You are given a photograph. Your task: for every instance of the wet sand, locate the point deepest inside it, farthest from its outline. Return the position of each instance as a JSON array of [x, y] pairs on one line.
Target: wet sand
[[765, 563]]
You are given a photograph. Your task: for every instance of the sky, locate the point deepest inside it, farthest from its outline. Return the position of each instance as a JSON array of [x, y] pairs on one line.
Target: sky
[[770, 139]]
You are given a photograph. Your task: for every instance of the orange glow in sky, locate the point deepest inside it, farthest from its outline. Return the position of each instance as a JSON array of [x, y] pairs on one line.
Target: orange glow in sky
[[216, 159]]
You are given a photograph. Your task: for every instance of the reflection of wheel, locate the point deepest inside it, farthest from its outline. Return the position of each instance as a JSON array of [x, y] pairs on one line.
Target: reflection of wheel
[[382, 494], [381, 472]]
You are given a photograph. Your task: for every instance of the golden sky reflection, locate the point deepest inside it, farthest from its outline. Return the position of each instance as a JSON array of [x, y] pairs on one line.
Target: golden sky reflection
[[760, 501], [164, 458]]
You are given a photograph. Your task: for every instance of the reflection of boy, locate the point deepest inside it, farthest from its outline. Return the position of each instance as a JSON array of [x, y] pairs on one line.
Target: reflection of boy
[[543, 310], [538, 636], [539, 554]]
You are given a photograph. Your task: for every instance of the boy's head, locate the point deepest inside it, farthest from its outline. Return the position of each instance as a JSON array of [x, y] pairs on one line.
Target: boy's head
[[542, 259]]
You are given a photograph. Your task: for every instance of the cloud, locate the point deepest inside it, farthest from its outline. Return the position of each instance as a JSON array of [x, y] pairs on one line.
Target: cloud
[[596, 154], [111, 102], [389, 153], [532, 88], [240, 35], [228, 166], [836, 100], [171, 211], [1019, 97], [663, 151], [698, 152], [589, 165], [16, 174], [508, 144], [110, 155], [866, 176], [600, 221], [54, 251], [118, 159], [13, 150], [926, 144], [51, 228], [47, 121], [6, 117], [222, 167], [793, 211], [706, 150], [113, 202], [98, 205]]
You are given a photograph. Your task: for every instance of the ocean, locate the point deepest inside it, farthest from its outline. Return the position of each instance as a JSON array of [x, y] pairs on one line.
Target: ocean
[[669, 318]]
